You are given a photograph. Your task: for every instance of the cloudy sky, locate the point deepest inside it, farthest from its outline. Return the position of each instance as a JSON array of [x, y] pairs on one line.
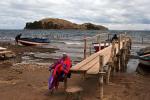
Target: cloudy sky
[[115, 14]]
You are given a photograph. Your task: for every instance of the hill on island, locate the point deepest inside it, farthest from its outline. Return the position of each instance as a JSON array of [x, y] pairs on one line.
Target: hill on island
[[55, 23]]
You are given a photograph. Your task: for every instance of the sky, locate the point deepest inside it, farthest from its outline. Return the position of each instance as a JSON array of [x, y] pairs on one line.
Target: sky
[[114, 14]]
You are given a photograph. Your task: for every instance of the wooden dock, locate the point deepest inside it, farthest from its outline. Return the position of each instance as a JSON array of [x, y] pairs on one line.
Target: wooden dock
[[115, 57]]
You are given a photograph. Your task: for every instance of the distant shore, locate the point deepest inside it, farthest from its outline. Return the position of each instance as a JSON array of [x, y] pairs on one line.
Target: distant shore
[[56, 23]]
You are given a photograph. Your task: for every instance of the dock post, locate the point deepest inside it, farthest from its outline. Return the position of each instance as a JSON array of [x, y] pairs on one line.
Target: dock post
[[108, 37], [114, 61], [101, 74], [90, 49], [85, 47], [119, 54], [97, 38], [99, 43], [108, 72], [130, 41], [126, 53], [142, 39], [105, 44], [113, 56], [124, 56]]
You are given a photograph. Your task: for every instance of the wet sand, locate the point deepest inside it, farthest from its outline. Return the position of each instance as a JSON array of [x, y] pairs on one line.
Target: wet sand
[[29, 82]]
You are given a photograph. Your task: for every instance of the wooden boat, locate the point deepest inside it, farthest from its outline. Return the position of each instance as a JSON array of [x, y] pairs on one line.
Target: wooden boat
[[145, 59], [144, 51], [33, 41], [144, 56]]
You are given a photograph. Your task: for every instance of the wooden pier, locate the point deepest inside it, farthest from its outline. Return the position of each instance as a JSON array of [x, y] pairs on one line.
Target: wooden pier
[[112, 58]]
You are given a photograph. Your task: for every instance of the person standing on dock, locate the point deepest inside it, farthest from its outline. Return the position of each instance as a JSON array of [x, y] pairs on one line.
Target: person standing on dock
[[114, 38]]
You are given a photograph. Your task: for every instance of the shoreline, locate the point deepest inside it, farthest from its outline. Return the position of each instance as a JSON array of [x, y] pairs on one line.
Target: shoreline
[[20, 81]]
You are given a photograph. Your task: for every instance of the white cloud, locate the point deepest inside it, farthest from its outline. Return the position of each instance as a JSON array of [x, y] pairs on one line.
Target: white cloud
[[116, 14]]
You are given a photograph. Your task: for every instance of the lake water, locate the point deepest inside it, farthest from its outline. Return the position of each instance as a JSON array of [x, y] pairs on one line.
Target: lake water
[[71, 41]]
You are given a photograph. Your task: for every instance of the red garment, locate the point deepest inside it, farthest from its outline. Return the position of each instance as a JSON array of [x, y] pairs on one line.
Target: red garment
[[61, 68]]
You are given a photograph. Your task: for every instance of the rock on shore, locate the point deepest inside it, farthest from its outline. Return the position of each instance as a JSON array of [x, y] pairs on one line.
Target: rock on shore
[[55, 23]]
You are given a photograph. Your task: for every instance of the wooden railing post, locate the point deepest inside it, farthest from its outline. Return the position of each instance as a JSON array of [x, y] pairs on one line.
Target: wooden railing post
[[113, 56], [85, 44], [108, 72], [90, 49], [123, 57], [142, 39], [97, 38], [99, 43], [105, 44], [101, 74], [108, 37], [119, 53]]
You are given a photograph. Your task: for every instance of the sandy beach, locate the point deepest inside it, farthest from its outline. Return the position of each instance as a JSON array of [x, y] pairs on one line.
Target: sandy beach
[[99, 41], [20, 81]]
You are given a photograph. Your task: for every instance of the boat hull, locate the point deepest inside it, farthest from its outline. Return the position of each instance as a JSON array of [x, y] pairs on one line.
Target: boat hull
[[102, 46], [144, 62], [28, 43]]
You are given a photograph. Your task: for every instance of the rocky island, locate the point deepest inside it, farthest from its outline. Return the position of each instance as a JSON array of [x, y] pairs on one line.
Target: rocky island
[[55, 23]]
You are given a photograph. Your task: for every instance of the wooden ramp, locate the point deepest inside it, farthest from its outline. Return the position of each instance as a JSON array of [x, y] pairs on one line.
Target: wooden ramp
[[5, 52], [91, 65], [116, 54]]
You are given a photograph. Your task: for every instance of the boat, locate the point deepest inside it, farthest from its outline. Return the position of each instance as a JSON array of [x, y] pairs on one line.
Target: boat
[[102, 46], [144, 51], [33, 41], [144, 56], [145, 59], [143, 70]]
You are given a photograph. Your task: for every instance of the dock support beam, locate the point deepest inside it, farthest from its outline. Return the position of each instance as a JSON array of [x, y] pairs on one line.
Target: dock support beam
[[85, 44], [101, 74]]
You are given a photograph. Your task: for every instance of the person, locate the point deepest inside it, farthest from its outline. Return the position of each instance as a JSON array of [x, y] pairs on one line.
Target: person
[[114, 37], [18, 37], [59, 70]]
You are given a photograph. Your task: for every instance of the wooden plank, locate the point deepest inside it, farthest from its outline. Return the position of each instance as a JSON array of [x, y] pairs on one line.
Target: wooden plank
[[89, 65], [90, 58], [1, 48], [4, 52], [95, 68], [83, 63]]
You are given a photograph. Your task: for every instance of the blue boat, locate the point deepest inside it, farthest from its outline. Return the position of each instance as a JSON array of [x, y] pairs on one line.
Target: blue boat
[[32, 41]]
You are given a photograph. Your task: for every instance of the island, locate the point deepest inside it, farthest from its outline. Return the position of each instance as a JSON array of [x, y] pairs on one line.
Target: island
[[55, 23]]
